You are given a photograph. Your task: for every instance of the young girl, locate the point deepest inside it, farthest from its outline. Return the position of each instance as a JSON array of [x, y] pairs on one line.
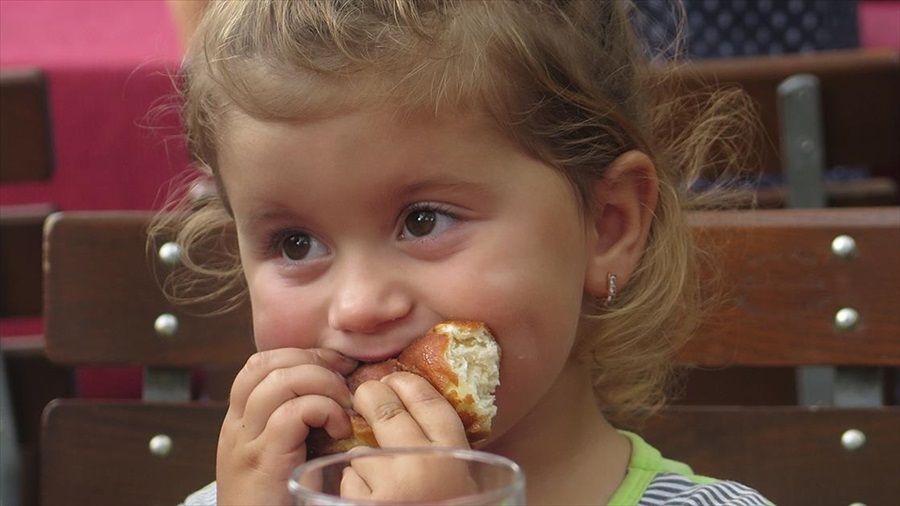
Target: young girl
[[389, 164]]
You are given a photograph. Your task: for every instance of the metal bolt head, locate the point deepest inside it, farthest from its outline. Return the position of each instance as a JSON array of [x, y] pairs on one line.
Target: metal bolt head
[[170, 253], [843, 246], [160, 445], [846, 318], [853, 439], [166, 325]]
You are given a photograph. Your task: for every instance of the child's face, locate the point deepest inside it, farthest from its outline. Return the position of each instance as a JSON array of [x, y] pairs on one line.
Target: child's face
[[359, 232]]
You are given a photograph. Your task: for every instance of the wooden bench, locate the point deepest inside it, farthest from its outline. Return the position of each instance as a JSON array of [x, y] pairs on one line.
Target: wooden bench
[[817, 111], [830, 121], [26, 152], [26, 156], [787, 284], [27, 379], [788, 278], [127, 452], [104, 307]]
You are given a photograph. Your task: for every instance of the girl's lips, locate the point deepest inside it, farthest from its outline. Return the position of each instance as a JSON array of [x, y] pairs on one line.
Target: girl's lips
[[372, 359], [377, 354], [373, 351]]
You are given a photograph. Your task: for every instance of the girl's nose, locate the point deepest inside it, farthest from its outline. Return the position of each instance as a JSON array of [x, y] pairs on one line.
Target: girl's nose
[[366, 297]]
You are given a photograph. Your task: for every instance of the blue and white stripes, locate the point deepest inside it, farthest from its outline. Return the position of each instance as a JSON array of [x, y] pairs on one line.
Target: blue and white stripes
[[671, 489]]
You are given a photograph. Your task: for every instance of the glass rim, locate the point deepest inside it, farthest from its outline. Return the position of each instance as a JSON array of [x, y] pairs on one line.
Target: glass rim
[[468, 454]]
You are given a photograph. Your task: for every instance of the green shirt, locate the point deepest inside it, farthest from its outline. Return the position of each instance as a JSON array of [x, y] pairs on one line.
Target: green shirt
[[654, 479]]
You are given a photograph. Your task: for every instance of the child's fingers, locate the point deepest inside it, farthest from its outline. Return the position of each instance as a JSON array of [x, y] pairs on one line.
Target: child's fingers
[[353, 486], [263, 464], [405, 410], [282, 385], [261, 364], [438, 419], [288, 426], [285, 429]]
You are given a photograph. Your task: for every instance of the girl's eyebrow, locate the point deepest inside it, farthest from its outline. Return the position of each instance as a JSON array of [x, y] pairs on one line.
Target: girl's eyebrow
[[444, 184], [260, 217]]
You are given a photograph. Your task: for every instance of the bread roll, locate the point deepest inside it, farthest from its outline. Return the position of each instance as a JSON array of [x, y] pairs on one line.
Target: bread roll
[[460, 359]]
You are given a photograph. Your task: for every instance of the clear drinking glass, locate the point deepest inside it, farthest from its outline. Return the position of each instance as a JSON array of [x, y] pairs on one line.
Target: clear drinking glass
[[434, 476]]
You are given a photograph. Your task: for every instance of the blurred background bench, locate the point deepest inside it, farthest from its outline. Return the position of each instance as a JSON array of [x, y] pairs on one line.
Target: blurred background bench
[[104, 307], [829, 122], [78, 130], [27, 379], [804, 287]]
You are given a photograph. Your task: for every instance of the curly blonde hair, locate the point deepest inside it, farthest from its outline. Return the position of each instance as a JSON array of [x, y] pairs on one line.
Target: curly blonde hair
[[567, 79]]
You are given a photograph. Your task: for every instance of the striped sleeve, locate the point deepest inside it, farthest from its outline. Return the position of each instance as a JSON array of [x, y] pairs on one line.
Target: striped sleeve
[[677, 490], [203, 497]]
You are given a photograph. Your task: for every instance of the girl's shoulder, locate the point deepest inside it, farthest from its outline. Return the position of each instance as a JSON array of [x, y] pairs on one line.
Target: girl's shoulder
[[655, 480]]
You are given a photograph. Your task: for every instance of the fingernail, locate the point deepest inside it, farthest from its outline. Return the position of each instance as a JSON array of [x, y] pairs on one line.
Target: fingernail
[[387, 378]]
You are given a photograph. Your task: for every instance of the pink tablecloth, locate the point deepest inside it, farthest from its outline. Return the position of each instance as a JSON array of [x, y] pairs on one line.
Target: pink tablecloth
[[108, 65]]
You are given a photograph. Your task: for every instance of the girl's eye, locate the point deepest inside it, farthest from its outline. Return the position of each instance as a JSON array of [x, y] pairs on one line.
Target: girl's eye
[[426, 221], [421, 223], [300, 246]]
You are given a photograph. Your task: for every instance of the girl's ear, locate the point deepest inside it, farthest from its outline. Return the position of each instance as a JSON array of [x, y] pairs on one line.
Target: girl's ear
[[622, 209]]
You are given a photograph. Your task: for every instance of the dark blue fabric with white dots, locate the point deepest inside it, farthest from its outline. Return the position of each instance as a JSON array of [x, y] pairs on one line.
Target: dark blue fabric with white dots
[[726, 28]]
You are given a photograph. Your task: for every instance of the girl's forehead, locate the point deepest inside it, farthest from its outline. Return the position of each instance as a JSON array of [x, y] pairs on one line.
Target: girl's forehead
[[298, 99], [379, 121], [425, 139], [392, 133]]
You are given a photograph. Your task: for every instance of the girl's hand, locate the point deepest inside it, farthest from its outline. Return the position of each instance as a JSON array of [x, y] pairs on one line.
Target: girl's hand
[[404, 410], [275, 399]]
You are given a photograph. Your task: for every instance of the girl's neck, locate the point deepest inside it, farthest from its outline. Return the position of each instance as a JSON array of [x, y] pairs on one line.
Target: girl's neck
[[570, 453]]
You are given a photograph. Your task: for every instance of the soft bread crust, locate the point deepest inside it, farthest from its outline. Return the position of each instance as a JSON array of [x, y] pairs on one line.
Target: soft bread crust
[[460, 359]]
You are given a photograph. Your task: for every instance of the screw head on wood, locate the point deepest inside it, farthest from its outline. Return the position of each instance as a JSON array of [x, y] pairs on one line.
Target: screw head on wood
[[846, 318], [844, 246], [160, 445], [166, 325], [853, 439], [170, 254]]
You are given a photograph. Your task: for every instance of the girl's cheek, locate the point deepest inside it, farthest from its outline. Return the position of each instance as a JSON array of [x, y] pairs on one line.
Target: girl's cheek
[[280, 321], [279, 334]]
